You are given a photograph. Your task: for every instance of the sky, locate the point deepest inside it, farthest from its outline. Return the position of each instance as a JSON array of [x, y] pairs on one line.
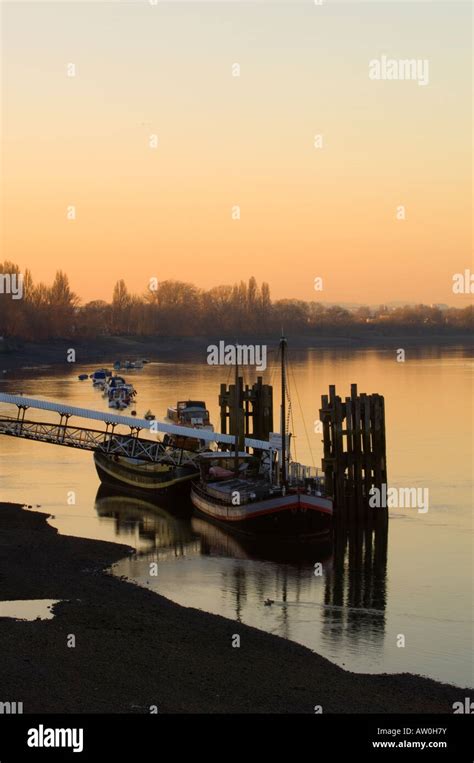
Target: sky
[[243, 141]]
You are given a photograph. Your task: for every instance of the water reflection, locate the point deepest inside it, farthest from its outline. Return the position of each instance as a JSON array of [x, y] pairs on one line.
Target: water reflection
[[350, 614], [161, 532], [350, 567], [355, 588], [28, 609]]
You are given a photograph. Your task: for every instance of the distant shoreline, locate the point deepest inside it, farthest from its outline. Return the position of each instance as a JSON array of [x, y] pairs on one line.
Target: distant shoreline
[[135, 648], [182, 349]]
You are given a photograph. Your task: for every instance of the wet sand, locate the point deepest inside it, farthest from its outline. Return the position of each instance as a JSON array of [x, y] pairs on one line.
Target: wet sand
[[105, 350], [135, 649]]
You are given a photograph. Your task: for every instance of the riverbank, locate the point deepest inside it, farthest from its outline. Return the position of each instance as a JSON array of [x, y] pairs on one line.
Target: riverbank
[[134, 648], [176, 349]]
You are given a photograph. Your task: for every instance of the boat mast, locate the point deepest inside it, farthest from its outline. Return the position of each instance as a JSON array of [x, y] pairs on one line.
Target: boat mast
[[236, 414], [283, 476]]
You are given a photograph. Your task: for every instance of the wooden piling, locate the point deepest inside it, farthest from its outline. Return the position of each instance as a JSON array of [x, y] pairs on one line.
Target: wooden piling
[[255, 405], [354, 457]]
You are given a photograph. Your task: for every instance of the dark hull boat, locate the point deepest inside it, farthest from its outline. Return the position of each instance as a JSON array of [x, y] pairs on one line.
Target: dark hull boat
[[263, 493], [177, 466], [295, 515], [141, 476]]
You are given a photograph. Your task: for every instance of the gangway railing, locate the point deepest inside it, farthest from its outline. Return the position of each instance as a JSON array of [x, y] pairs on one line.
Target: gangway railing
[[125, 445], [108, 441]]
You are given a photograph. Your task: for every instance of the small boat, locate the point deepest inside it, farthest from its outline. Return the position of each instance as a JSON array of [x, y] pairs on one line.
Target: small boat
[[118, 382], [191, 413], [119, 393], [99, 378], [119, 398], [83, 377], [188, 413], [263, 493]]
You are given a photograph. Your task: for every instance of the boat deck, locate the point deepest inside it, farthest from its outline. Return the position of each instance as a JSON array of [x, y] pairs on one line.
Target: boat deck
[[248, 490]]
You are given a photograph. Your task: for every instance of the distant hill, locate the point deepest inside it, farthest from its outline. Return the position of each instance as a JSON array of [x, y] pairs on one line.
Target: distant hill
[[393, 304]]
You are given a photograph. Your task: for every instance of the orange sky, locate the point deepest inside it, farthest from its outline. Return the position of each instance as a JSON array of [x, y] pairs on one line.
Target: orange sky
[[247, 141]]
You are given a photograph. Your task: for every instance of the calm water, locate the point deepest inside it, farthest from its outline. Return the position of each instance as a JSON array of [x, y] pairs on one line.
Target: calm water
[[28, 609], [416, 582]]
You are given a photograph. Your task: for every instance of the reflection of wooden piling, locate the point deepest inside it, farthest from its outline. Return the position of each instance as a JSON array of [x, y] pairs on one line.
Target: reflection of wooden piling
[[357, 580], [354, 457], [255, 409]]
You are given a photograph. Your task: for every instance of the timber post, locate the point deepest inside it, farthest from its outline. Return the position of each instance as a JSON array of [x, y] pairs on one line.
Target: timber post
[[256, 409], [354, 457]]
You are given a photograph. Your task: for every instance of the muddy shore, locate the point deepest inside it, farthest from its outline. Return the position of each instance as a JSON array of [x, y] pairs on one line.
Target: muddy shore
[[135, 649], [175, 349]]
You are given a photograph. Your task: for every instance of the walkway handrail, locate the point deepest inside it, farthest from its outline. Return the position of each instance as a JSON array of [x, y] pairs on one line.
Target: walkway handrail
[[154, 426]]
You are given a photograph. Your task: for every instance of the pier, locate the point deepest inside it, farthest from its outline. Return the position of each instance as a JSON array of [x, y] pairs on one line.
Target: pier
[[129, 445], [354, 459]]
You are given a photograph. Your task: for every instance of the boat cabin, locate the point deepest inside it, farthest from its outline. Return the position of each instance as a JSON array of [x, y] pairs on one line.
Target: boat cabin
[[189, 413], [116, 381], [220, 480], [220, 465], [99, 376]]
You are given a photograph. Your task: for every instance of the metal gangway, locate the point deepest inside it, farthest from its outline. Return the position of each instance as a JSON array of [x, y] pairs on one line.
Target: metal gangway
[[129, 444]]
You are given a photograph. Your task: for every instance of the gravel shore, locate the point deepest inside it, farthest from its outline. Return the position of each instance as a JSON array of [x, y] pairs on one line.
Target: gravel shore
[[135, 649]]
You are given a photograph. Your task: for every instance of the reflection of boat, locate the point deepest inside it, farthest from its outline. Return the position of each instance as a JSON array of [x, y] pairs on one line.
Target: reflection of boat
[[157, 523], [220, 541], [167, 523], [143, 476], [258, 495], [128, 365]]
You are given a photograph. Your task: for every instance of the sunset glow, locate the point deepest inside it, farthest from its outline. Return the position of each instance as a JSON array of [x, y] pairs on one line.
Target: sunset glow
[[246, 141]]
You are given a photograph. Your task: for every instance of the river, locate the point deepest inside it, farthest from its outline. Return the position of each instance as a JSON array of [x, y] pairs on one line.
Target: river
[[354, 607]]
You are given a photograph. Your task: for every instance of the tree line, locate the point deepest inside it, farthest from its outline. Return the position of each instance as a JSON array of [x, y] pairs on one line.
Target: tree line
[[177, 308]]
